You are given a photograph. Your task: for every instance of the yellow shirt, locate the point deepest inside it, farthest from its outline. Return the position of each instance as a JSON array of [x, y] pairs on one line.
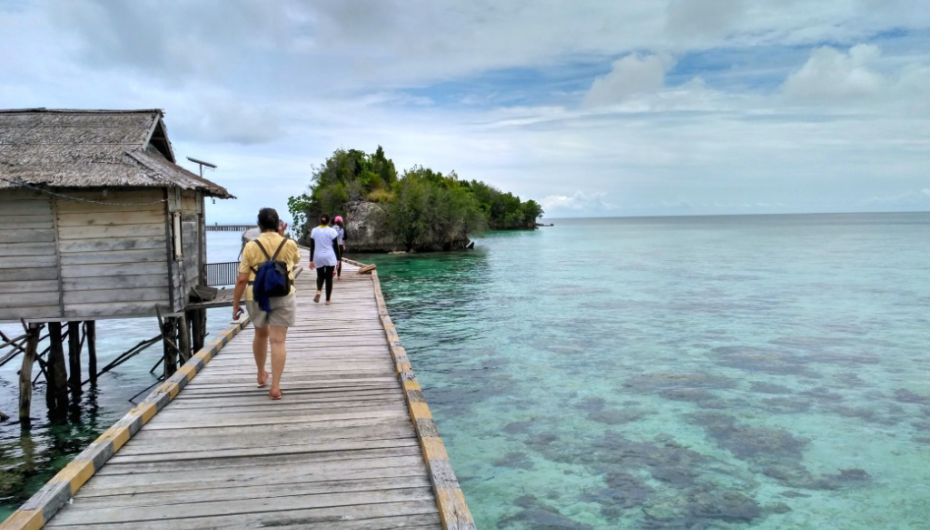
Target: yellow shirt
[[253, 257]]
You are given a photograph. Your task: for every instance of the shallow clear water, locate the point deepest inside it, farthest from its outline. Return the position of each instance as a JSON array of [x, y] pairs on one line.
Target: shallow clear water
[[29, 459], [714, 372]]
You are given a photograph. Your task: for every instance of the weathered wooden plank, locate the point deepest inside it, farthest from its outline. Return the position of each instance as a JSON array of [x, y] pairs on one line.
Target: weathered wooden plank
[[156, 437], [27, 235], [112, 198], [105, 515], [94, 219], [306, 473], [21, 262], [382, 515], [134, 281], [128, 230], [35, 313], [107, 310], [77, 208], [296, 449], [28, 248], [143, 294], [29, 286], [28, 274], [113, 243], [109, 270], [230, 421], [41, 299], [224, 468], [154, 255], [246, 491], [18, 222]]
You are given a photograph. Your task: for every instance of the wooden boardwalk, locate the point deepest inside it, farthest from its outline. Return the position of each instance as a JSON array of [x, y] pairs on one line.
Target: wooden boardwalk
[[350, 445]]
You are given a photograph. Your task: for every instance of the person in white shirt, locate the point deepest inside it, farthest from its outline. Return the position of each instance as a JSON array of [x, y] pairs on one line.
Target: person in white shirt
[[324, 255]]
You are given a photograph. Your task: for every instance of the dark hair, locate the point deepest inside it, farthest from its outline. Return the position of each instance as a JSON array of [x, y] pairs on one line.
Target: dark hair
[[324, 219], [268, 219]]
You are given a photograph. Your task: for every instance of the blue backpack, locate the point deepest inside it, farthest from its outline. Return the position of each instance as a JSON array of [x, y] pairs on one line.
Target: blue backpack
[[271, 278]]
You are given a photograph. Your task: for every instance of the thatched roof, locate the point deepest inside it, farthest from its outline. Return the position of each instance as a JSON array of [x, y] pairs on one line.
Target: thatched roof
[[91, 149]]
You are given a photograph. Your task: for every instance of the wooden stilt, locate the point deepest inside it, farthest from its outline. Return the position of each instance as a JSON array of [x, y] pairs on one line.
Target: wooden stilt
[[56, 395], [90, 333], [198, 318], [184, 338], [168, 333], [25, 374], [74, 360]]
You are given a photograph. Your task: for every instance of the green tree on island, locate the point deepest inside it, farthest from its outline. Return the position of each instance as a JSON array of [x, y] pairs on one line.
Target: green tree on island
[[423, 209]]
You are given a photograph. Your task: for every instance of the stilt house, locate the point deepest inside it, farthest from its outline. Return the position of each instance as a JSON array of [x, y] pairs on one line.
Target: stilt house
[[96, 218]]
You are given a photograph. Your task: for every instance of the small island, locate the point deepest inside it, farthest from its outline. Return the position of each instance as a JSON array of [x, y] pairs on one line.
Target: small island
[[420, 210]]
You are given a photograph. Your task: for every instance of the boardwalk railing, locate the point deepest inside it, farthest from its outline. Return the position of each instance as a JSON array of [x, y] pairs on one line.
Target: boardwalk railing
[[221, 274]]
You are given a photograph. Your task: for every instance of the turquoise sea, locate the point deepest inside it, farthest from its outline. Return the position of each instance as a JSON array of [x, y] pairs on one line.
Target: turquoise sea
[[690, 372]]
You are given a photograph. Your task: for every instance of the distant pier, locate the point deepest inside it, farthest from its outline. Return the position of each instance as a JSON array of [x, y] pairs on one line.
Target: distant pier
[[228, 228]]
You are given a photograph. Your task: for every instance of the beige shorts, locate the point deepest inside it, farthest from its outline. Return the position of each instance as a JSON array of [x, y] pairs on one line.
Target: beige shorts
[[283, 312]]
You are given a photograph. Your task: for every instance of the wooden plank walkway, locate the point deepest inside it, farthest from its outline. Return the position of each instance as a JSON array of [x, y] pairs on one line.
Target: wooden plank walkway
[[350, 445]]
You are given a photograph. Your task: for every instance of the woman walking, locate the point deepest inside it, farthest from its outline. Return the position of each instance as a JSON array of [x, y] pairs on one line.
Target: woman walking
[[340, 227], [324, 255]]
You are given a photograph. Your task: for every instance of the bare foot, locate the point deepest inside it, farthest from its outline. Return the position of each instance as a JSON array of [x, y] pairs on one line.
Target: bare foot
[[274, 394], [329, 302], [262, 379]]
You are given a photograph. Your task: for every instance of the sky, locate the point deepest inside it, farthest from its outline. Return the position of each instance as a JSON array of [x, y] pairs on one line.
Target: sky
[[592, 108]]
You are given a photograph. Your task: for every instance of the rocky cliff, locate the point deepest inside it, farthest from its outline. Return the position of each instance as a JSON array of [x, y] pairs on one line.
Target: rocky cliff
[[367, 231]]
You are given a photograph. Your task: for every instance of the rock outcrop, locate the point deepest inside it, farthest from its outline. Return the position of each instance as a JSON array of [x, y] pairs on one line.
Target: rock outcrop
[[366, 231], [366, 228]]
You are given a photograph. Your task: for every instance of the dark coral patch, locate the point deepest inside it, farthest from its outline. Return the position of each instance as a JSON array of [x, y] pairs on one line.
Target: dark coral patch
[[762, 387], [535, 514], [749, 442], [906, 396], [616, 417], [515, 460]]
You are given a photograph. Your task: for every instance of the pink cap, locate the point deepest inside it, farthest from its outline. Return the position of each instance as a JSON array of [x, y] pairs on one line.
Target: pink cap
[[337, 219]]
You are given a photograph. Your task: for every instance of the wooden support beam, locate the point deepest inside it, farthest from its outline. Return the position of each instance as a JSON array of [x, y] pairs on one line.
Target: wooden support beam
[[168, 333], [198, 320], [184, 338], [90, 332], [74, 359], [25, 374], [56, 395]]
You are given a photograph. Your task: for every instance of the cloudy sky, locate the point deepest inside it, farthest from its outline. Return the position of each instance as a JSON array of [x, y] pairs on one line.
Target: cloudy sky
[[590, 107]]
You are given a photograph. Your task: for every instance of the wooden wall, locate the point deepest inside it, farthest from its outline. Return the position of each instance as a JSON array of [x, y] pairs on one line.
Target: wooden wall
[[99, 256], [114, 255], [28, 262], [192, 238]]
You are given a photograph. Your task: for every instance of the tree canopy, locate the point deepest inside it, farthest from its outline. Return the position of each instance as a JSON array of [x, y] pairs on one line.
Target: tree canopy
[[425, 209]]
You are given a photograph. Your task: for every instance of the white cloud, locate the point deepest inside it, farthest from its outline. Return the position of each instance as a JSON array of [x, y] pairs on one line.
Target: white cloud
[[830, 74], [580, 202], [706, 18], [274, 91], [629, 76]]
